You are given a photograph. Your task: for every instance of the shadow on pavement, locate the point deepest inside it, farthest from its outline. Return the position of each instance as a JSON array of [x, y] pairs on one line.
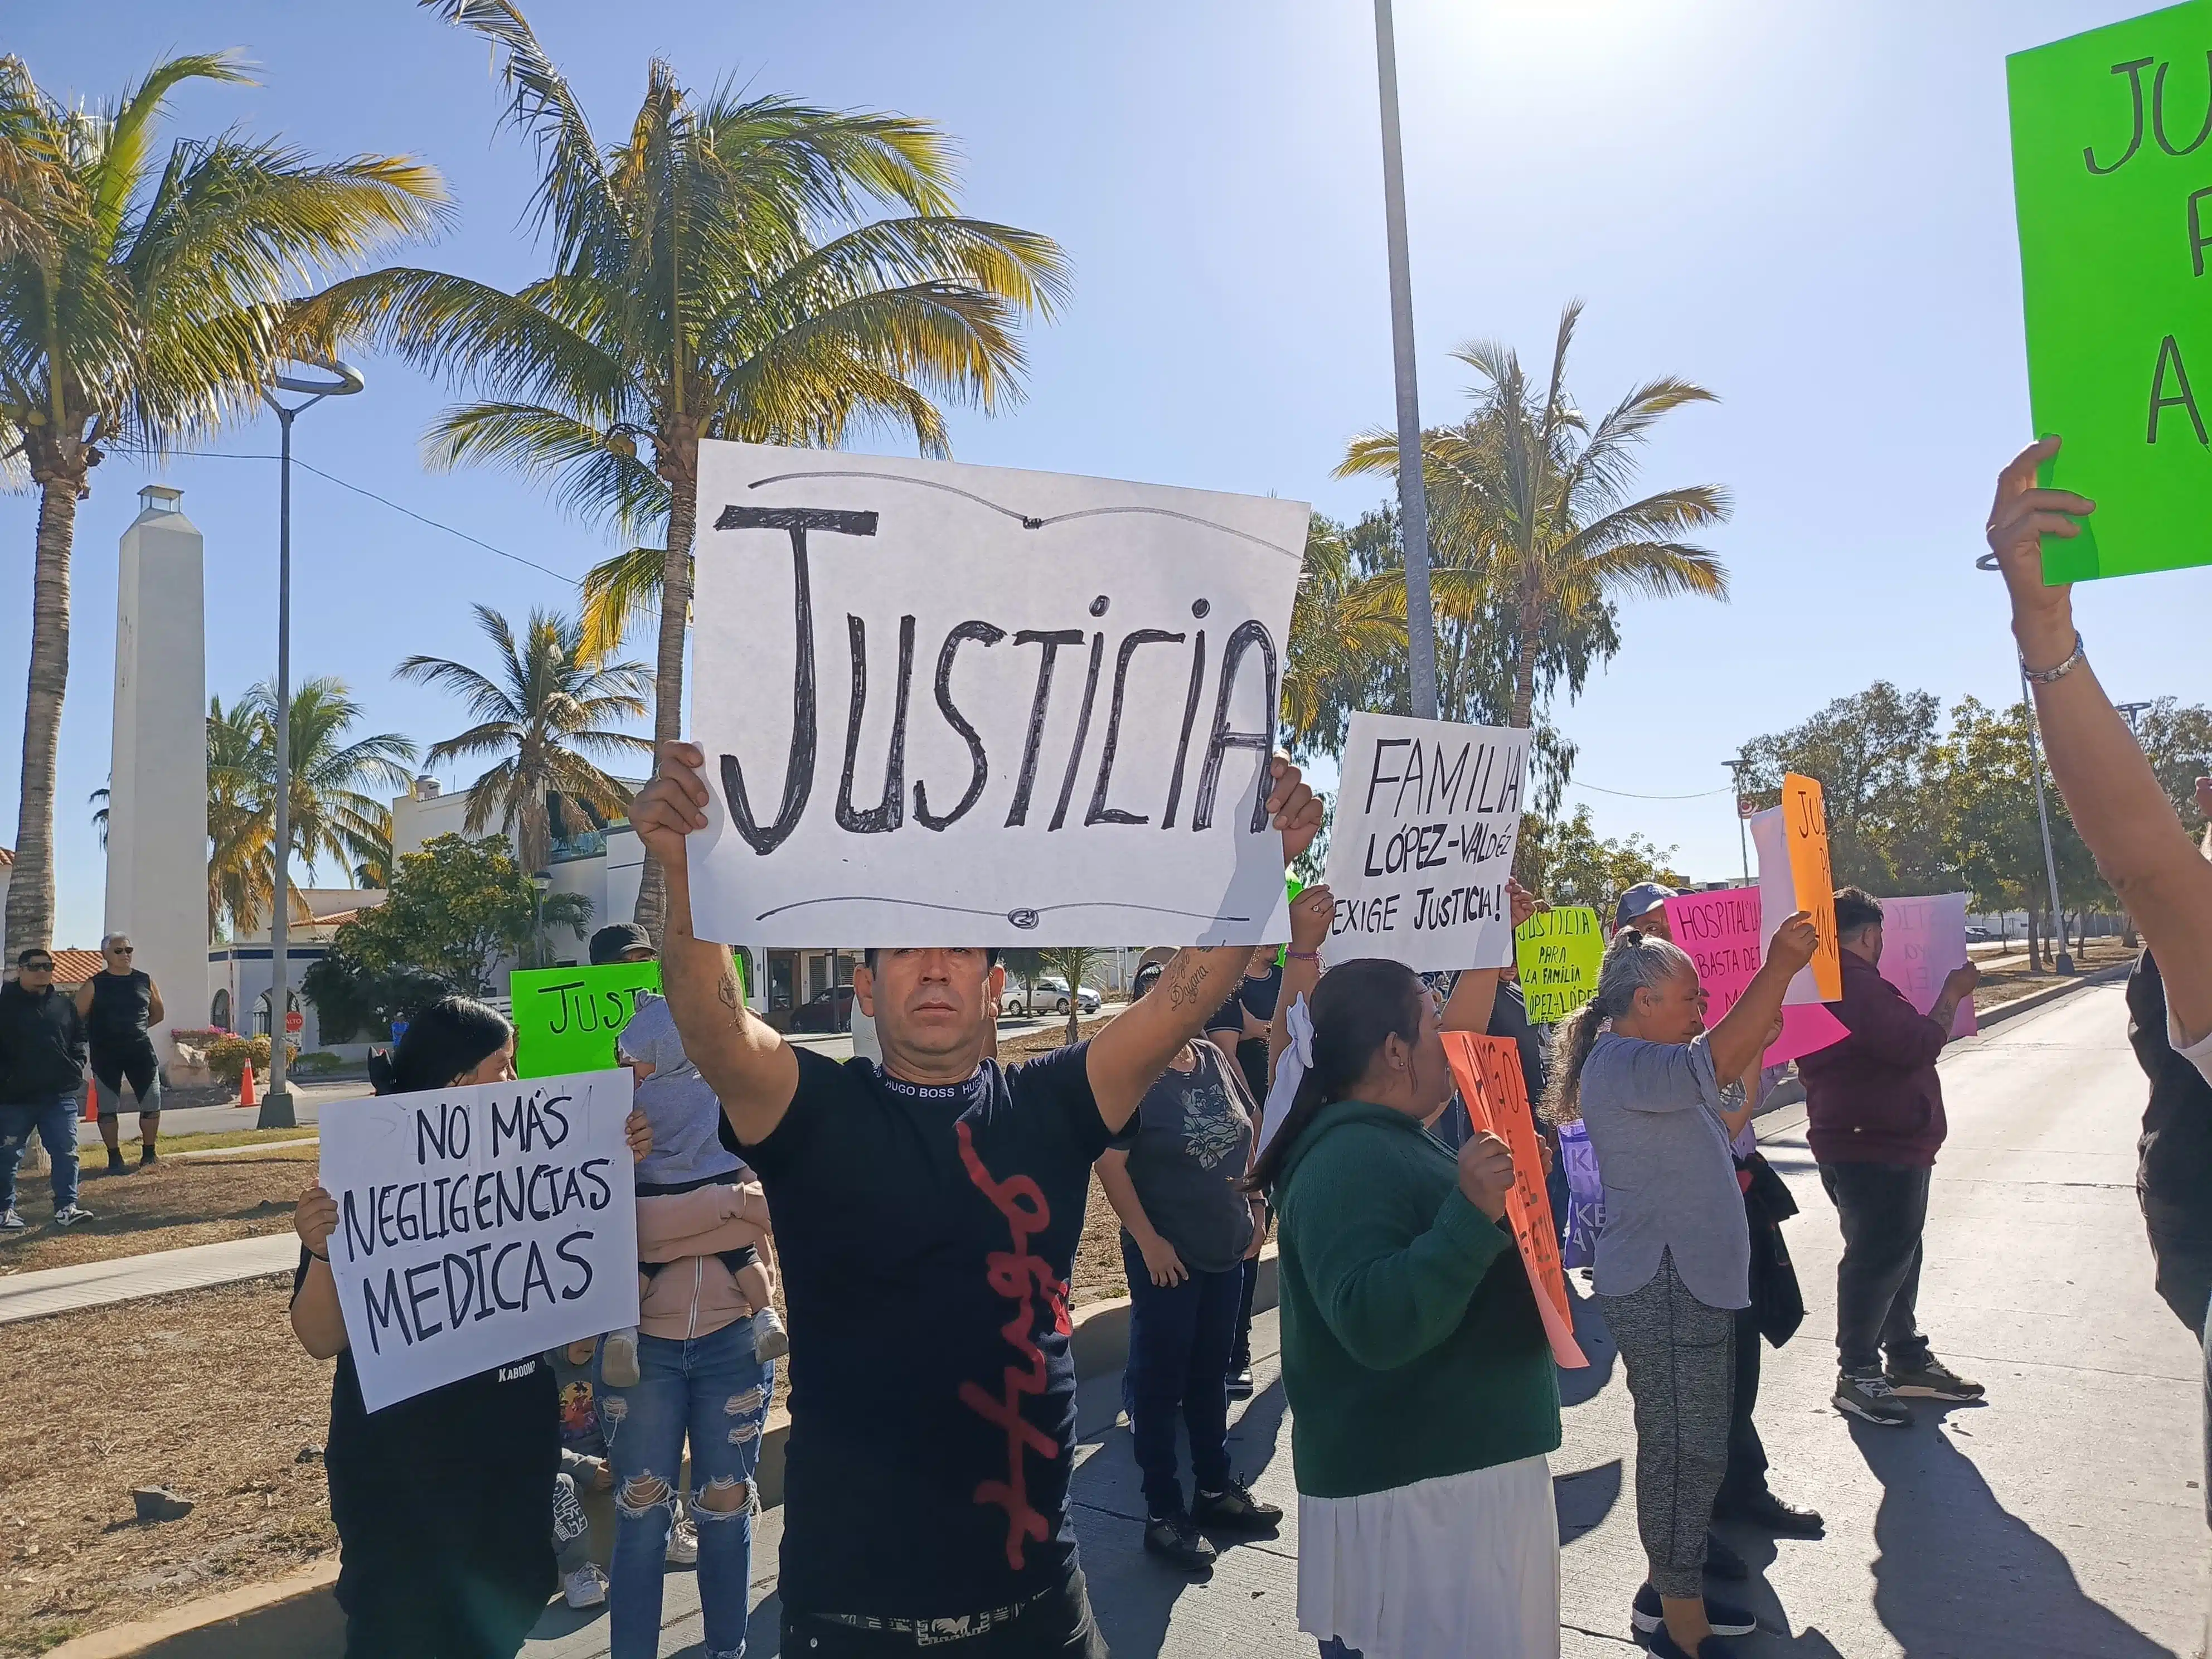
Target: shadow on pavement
[[1596, 1344], [1253, 1438], [1584, 1498], [1957, 1573]]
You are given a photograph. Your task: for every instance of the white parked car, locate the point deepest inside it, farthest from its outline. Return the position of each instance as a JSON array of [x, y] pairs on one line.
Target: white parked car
[[1046, 994]]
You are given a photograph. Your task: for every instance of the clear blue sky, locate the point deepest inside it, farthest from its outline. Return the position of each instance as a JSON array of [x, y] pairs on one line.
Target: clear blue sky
[[1808, 208]]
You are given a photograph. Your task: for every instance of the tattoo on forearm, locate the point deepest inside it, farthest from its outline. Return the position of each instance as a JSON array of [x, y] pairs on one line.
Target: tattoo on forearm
[[725, 989], [1186, 980]]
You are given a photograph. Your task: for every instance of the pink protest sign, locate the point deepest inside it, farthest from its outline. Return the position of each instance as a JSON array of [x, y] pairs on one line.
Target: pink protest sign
[[1720, 932], [1923, 940]]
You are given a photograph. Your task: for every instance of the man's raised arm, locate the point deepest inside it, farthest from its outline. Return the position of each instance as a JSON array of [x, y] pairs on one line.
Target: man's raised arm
[[745, 1059], [1127, 1057]]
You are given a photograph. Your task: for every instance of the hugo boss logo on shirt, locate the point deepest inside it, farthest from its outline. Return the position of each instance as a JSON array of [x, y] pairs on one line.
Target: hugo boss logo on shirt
[[935, 1093]]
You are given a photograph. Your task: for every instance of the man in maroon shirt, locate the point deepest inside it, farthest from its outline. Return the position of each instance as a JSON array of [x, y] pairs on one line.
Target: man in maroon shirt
[[1873, 1109]]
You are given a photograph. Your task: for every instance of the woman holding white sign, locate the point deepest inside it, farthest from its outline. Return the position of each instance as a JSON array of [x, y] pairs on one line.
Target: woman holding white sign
[[1637, 1066], [443, 1501]]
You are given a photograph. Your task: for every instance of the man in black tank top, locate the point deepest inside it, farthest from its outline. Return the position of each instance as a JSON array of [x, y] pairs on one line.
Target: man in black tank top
[[120, 1005]]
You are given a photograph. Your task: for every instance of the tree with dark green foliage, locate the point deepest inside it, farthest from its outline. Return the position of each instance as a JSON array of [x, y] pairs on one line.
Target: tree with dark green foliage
[[1565, 861], [453, 912], [1876, 756]]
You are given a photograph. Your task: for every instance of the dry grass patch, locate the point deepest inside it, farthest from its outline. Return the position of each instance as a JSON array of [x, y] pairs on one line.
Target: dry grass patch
[[176, 1203], [205, 1392]]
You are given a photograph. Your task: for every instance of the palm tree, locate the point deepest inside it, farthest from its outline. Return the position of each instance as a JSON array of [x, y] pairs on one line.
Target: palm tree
[[548, 704], [332, 814], [143, 303], [1526, 503], [1343, 626], [1074, 964], [716, 274], [241, 823]]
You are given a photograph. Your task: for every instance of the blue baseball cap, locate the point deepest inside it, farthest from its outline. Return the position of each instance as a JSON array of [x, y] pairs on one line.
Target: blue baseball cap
[[1640, 900]]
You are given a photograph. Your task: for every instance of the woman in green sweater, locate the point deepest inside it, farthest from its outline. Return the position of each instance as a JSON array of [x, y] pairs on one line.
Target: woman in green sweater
[[1421, 1386]]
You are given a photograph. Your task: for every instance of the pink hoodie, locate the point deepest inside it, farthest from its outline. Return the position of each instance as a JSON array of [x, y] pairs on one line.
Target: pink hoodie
[[696, 1295]]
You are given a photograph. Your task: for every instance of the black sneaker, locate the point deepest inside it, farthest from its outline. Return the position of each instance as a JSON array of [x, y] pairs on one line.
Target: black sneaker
[[1647, 1616], [116, 1165], [1235, 1509], [146, 1156], [1181, 1542], [1240, 1383], [1872, 1399], [1661, 1645], [1934, 1380]]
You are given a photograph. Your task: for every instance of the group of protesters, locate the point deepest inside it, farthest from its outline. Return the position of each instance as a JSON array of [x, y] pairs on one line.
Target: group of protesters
[[927, 1206]]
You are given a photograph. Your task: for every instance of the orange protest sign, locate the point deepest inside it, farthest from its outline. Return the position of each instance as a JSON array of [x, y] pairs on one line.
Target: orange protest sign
[[1805, 819], [1488, 1072]]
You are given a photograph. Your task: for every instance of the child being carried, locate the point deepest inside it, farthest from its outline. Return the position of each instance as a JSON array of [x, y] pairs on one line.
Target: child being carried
[[695, 1198]]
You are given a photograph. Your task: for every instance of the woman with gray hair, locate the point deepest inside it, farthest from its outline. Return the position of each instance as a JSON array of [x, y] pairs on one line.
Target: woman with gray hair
[[1636, 1064]]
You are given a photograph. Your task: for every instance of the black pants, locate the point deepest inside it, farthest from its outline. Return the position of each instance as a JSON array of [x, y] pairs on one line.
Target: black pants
[[1059, 1625], [1746, 1479], [1883, 1209], [1178, 1373], [140, 1065], [1240, 1357], [443, 1568], [2183, 1252]]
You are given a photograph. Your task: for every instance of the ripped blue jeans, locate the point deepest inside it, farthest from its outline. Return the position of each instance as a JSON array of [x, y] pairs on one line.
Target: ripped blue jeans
[[715, 1388]]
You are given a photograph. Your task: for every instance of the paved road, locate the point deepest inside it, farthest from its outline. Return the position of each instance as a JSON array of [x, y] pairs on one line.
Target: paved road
[[2061, 1521]]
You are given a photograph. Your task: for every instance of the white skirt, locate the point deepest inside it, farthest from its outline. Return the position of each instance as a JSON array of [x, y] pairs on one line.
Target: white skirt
[[1462, 1564]]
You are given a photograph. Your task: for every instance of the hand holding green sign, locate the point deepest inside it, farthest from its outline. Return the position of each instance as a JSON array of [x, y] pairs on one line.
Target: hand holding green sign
[[2111, 141], [567, 1019], [1557, 954]]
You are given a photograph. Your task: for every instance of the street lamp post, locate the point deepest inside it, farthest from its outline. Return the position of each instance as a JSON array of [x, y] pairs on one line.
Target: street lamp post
[[2064, 963], [276, 1104], [1736, 770], [1413, 502]]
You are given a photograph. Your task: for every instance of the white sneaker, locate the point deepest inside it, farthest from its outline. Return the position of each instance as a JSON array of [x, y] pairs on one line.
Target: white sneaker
[[71, 1216], [618, 1360], [587, 1587], [770, 1340], [10, 1221], [683, 1543]]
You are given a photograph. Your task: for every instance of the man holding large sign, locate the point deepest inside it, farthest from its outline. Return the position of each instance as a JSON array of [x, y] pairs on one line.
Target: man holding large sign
[[927, 1209], [1421, 845], [963, 705]]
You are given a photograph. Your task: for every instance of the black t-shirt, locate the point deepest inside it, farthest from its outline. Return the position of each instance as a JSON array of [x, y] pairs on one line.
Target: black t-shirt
[[501, 1425], [1258, 996], [927, 1235], [2175, 1173], [1189, 1145], [122, 1007]]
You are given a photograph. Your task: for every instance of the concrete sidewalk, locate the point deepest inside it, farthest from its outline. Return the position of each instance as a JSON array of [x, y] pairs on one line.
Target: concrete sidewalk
[[119, 1279]]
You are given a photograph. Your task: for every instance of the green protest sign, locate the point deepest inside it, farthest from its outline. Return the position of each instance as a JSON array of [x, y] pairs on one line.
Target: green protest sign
[[2112, 184], [567, 1019], [1557, 953]]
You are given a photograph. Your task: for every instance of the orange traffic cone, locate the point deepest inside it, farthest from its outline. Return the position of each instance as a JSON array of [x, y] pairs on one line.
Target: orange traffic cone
[[246, 1096], [91, 1102]]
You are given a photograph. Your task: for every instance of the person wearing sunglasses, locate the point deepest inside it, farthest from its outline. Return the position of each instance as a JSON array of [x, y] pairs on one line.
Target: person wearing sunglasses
[[42, 1055], [119, 1005]]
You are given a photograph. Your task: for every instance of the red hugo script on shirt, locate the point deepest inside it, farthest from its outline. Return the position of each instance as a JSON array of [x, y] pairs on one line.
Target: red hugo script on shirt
[[1019, 1275]]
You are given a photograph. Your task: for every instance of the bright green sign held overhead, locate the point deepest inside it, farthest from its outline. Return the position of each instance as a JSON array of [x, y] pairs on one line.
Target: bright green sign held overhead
[[1558, 953], [2111, 152], [567, 1019]]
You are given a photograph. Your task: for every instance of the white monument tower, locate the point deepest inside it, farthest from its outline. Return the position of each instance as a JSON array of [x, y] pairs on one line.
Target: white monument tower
[[157, 788]]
